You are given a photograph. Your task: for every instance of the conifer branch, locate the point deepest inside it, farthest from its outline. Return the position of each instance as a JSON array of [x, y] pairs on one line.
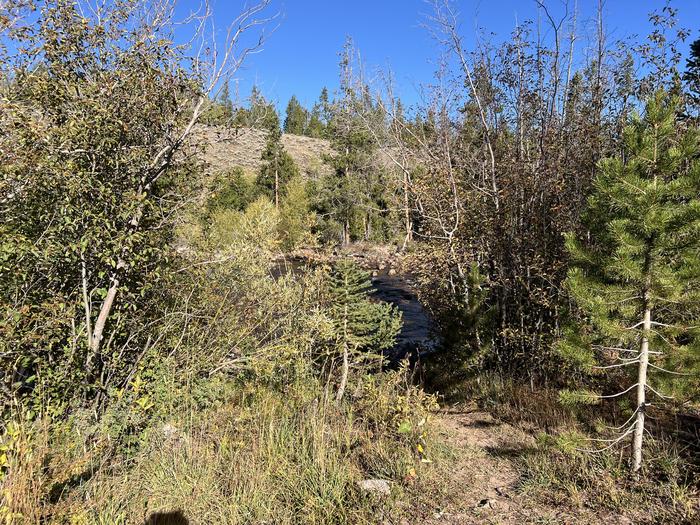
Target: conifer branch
[[662, 396], [668, 371], [611, 445], [619, 393], [617, 365]]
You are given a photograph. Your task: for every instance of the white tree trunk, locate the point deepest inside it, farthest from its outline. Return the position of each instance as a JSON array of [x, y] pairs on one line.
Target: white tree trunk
[[105, 310], [641, 395], [406, 211], [346, 360]]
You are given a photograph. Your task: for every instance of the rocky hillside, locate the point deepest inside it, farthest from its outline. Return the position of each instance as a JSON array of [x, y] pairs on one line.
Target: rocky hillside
[[226, 148]]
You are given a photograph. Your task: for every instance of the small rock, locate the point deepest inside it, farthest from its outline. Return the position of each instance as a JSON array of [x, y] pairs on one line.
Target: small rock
[[392, 271], [382, 267], [502, 492], [170, 433], [376, 486], [375, 273], [487, 503]]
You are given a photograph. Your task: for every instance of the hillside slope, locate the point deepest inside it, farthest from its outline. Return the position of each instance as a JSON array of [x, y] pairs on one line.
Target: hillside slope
[[227, 147]]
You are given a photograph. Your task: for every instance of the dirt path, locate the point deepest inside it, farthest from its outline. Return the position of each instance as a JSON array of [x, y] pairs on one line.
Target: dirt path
[[486, 479]]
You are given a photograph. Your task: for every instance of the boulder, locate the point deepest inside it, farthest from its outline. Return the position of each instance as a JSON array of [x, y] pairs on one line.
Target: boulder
[[375, 486]]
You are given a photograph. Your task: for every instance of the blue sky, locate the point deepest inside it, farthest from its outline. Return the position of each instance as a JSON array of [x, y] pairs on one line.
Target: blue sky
[[302, 55]]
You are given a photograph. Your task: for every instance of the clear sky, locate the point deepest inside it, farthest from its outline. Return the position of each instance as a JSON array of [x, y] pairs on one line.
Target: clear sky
[[302, 55]]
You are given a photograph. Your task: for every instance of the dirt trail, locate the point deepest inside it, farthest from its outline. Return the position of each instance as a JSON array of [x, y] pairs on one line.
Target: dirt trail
[[485, 480]]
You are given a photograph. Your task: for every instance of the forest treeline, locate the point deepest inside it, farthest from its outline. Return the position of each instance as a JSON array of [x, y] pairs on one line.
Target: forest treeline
[[545, 195], [492, 174]]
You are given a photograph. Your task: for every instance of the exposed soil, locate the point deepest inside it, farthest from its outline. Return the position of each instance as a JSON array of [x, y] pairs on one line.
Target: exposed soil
[[485, 477], [243, 147]]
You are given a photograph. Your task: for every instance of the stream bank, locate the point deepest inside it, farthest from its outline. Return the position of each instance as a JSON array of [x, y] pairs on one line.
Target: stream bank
[[391, 283]]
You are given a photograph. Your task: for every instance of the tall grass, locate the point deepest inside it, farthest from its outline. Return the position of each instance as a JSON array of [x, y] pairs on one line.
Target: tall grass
[[263, 456]]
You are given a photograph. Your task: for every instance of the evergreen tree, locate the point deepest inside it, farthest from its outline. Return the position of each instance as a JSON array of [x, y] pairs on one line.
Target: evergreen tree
[[315, 128], [692, 75], [637, 277], [260, 114], [220, 111], [346, 196], [277, 169], [319, 117], [226, 102], [363, 328], [296, 118], [324, 105], [231, 190]]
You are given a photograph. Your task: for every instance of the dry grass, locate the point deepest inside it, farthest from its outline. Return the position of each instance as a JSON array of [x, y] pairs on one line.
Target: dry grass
[[226, 148], [263, 456], [556, 472]]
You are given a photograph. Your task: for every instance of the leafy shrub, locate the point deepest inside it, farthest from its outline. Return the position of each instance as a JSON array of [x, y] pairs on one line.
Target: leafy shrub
[[296, 219]]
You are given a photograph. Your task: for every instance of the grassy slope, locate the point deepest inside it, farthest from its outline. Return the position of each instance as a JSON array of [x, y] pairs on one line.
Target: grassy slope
[[226, 148]]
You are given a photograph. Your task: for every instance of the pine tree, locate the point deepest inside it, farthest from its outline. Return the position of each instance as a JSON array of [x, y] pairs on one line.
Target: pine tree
[[324, 104], [363, 328], [347, 195], [296, 118], [226, 102], [315, 128], [691, 77], [319, 117], [230, 190], [637, 276], [260, 114], [220, 111], [278, 168]]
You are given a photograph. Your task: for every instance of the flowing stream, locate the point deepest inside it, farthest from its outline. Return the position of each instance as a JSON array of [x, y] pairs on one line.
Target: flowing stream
[[418, 335]]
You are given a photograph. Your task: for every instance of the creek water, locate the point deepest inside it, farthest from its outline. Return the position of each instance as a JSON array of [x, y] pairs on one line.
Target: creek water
[[418, 336]]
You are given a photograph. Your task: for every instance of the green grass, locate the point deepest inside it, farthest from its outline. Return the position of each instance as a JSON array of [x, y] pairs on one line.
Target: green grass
[[261, 456]]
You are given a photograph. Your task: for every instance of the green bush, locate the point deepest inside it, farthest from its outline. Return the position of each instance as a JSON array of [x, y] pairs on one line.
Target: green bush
[[230, 190], [296, 219]]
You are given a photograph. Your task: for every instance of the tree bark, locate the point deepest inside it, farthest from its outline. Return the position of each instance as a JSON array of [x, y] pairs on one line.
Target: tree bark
[[105, 310], [277, 188], [346, 361], [641, 395], [406, 211]]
